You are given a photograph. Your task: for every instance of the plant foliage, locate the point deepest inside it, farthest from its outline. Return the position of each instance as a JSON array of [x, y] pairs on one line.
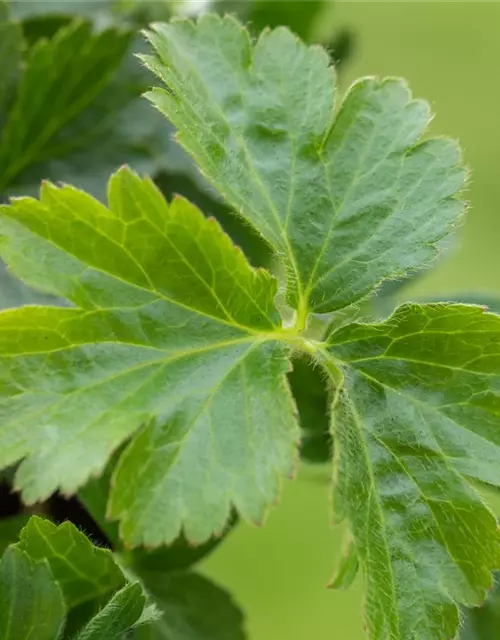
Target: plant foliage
[[176, 349]]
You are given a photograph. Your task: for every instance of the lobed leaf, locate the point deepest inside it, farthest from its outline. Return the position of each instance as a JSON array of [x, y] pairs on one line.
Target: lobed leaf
[[172, 331], [83, 571], [417, 416], [348, 198]]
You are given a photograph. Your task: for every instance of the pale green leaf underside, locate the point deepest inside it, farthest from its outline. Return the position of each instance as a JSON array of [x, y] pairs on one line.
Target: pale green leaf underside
[[418, 414], [31, 602], [172, 332], [348, 199], [83, 571]]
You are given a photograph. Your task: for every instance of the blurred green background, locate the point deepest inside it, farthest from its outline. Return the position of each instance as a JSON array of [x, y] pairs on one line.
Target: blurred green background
[[450, 54]]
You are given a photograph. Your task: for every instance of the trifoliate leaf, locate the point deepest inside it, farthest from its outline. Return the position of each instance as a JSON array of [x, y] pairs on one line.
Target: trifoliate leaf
[[121, 614], [483, 623], [419, 412], [348, 198], [193, 608], [172, 331], [83, 571], [31, 601]]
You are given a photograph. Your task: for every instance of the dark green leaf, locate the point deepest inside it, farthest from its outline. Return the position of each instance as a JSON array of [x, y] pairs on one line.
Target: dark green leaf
[[347, 201], [308, 385], [31, 602], [9, 530], [36, 128], [10, 58], [301, 15], [178, 555], [193, 609], [419, 412], [483, 623], [83, 571]]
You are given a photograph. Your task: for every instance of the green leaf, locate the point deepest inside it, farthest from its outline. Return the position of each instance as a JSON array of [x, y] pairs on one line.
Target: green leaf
[[299, 16], [178, 555], [348, 568], [348, 199], [308, 385], [483, 623], [10, 58], [120, 615], [83, 571], [31, 602], [94, 496], [417, 415], [35, 129], [193, 609], [173, 331], [10, 529]]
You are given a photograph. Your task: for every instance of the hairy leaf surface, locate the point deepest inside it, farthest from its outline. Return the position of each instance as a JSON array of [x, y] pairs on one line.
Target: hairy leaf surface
[[419, 413], [83, 571], [348, 198], [172, 331], [120, 615]]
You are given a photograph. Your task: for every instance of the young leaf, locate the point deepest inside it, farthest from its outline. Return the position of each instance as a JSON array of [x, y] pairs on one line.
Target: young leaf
[[83, 571], [193, 608], [31, 602], [121, 614], [419, 411], [172, 330], [348, 199]]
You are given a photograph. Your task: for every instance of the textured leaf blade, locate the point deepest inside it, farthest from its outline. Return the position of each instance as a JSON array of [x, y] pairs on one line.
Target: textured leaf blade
[[121, 614], [418, 412], [83, 571], [348, 200], [173, 331], [31, 602]]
